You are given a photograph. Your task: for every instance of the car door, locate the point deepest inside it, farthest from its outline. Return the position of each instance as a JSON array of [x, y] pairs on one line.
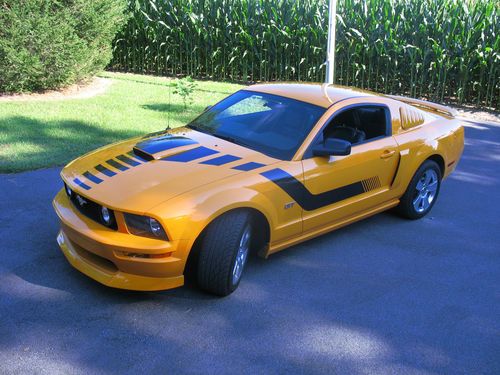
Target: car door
[[339, 187]]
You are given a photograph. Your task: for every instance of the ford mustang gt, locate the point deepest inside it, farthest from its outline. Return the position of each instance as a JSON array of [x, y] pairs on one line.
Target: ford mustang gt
[[265, 168]]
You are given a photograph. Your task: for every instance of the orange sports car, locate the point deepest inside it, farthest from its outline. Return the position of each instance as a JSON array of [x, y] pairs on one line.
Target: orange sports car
[[267, 167]]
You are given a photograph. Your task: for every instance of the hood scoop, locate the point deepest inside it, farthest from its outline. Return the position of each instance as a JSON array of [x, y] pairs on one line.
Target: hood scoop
[[161, 147]]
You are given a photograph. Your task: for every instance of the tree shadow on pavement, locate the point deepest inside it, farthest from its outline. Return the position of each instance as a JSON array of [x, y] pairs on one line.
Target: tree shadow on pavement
[[29, 144]]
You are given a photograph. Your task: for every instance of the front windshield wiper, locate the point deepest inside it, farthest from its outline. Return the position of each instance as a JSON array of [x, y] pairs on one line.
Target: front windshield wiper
[[230, 139], [206, 130], [199, 127]]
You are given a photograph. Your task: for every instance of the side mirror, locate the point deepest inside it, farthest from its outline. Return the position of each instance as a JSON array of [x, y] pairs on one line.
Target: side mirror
[[332, 146], [207, 108]]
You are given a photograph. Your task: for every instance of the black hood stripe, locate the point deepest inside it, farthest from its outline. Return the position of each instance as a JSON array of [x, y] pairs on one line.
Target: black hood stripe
[[91, 177], [190, 155], [117, 165], [221, 160], [248, 166], [81, 184], [108, 172], [128, 160]]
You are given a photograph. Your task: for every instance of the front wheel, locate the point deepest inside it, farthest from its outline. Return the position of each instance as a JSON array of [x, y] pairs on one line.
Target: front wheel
[[224, 252], [422, 191]]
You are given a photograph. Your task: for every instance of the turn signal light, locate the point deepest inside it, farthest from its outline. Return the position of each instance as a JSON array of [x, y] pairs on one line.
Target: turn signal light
[[144, 256]]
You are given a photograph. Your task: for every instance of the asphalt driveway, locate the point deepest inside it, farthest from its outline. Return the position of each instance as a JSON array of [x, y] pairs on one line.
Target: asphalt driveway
[[383, 296]]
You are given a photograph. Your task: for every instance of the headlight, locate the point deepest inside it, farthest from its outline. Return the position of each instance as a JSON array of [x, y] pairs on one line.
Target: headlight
[[145, 226]]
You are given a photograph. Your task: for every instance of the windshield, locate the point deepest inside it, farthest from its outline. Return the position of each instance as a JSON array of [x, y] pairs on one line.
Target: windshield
[[271, 124]]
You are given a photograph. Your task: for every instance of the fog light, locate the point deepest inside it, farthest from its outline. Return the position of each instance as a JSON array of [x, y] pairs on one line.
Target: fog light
[[68, 190], [105, 215]]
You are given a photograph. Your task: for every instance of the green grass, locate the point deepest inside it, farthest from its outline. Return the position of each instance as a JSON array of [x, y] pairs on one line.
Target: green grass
[[39, 134]]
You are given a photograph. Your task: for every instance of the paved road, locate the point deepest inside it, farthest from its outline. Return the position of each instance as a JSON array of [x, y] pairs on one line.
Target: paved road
[[382, 296]]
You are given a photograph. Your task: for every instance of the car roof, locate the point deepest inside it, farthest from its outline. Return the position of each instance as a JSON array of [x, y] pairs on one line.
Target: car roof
[[323, 95]]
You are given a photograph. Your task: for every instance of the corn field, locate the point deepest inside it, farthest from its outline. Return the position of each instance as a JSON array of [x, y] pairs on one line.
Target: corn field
[[444, 50]]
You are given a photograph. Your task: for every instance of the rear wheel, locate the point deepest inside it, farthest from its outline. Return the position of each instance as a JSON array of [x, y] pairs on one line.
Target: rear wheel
[[422, 191], [224, 252]]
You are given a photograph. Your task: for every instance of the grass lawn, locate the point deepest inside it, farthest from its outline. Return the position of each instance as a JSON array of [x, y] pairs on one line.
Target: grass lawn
[[38, 134]]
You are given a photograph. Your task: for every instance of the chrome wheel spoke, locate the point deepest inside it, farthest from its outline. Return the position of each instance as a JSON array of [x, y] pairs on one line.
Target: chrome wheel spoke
[[428, 177], [432, 186], [241, 256], [425, 191], [425, 203], [416, 201], [422, 204]]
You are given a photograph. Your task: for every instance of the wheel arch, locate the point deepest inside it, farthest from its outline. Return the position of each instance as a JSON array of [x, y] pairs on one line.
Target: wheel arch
[[409, 164], [439, 160], [261, 224]]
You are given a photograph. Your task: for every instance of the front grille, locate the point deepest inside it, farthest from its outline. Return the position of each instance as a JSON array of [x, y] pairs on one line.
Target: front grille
[[91, 209]]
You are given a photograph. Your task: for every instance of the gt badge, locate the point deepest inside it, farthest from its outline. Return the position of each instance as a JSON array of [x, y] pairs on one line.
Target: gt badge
[[289, 205]]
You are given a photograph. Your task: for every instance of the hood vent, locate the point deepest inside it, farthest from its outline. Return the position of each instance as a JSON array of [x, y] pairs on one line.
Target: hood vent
[[156, 148]]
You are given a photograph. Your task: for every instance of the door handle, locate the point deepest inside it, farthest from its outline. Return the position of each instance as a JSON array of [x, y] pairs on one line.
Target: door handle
[[387, 154]]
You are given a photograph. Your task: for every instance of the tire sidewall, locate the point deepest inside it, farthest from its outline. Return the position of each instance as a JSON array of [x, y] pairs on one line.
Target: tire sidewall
[[219, 250]]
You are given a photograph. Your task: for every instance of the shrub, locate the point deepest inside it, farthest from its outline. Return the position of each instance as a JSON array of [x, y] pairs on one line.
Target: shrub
[[48, 44]]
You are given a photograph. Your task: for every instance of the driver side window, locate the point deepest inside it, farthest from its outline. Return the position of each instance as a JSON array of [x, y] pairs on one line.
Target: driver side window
[[359, 124]]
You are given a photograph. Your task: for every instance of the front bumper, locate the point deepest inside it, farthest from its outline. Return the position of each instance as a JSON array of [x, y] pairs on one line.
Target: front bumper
[[99, 253]]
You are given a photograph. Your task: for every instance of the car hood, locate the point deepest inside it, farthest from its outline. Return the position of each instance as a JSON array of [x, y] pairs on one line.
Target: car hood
[[138, 174]]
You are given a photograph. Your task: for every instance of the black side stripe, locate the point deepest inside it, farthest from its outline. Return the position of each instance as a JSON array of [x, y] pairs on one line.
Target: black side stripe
[[91, 177], [308, 201], [108, 172], [117, 165], [128, 161]]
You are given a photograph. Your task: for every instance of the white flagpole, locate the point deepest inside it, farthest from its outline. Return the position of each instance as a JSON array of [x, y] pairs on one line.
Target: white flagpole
[[330, 60]]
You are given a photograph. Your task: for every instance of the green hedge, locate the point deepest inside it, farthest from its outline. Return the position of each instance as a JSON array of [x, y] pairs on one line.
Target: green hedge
[[446, 49], [47, 44]]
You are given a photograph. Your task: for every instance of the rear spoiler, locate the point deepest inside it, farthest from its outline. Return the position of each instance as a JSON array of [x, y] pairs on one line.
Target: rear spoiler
[[426, 105]]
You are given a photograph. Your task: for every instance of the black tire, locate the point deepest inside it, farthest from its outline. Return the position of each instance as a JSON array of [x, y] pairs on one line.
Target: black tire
[[219, 250], [406, 207]]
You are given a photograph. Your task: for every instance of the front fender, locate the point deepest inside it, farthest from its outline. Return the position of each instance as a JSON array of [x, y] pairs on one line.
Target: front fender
[[186, 216]]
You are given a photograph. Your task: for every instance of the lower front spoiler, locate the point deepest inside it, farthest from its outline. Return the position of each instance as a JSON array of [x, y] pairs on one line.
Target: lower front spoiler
[[113, 277]]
